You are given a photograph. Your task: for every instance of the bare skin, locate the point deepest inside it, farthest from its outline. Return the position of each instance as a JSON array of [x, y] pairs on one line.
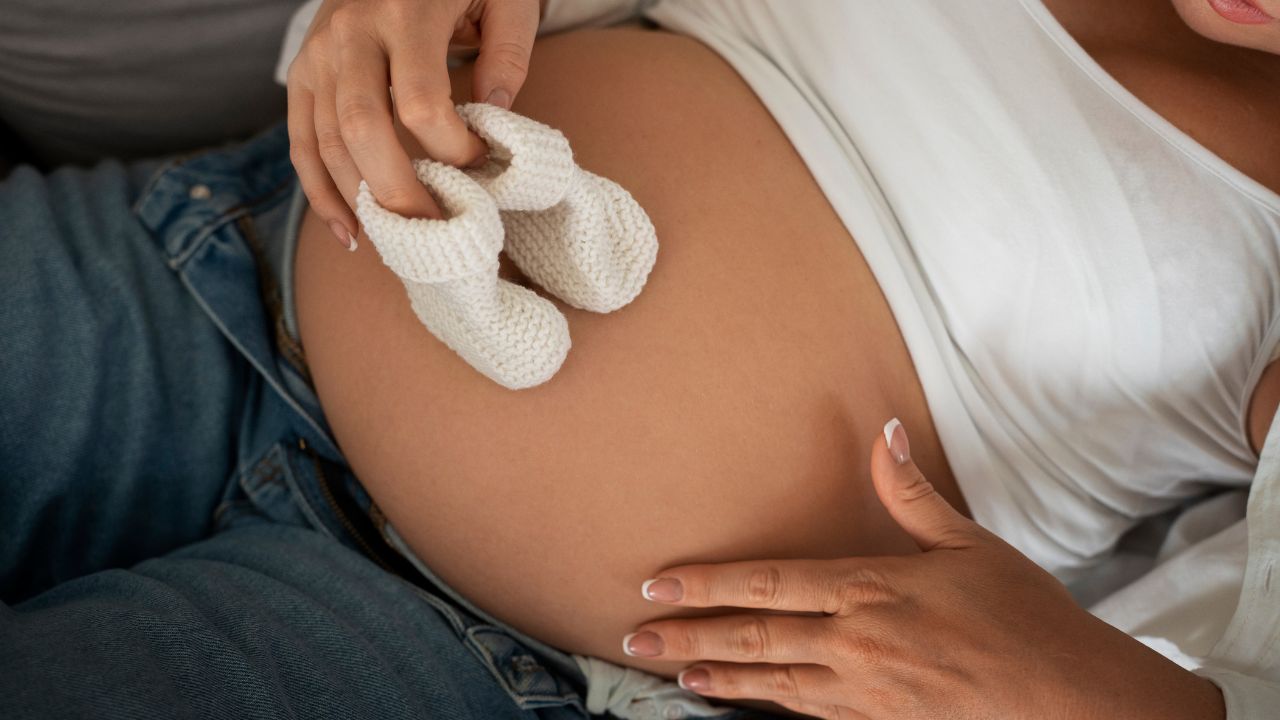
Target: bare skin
[[717, 417], [726, 407]]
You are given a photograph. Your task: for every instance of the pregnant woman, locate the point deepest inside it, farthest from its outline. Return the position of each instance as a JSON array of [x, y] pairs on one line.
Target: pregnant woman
[[1043, 236]]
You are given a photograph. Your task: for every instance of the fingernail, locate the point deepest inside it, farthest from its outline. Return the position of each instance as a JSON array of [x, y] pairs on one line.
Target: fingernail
[[695, 679], [895, 437], [499, 97], [344, 235], [666, 590], [643, 644]]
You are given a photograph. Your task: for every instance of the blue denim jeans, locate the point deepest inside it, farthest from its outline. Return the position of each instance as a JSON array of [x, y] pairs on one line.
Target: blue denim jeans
[[179, 533]]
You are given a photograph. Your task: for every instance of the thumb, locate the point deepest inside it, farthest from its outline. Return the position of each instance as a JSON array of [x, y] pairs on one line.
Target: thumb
[[911, 499], [507, 29]]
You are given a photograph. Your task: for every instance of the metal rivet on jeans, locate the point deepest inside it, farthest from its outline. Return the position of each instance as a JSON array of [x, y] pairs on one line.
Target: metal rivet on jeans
[[524, 664], [200, 192], [673, 712]]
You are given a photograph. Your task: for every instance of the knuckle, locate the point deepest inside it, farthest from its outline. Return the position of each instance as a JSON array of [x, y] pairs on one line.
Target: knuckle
[[420, 111], [864, 586], [751, 639], [695, 588], [397, 196], [510, 59], [345, 22], [301, 154], [398, 13], [915, 488], [782, 682], [295, 76], [315, 47], [682, 640], [764, 586], [866, 648], [357, 122], [332, 149]]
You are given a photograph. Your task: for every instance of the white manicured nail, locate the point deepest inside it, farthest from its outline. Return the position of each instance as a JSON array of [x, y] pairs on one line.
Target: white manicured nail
[[895, 438]]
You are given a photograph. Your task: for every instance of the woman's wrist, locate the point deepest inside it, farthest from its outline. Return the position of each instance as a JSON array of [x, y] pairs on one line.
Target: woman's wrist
[[1216, 703], [1134, 681], [1192, 698]]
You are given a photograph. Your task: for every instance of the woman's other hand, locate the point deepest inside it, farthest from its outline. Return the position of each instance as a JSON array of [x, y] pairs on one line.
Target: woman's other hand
[[968, 628], [342, 119]]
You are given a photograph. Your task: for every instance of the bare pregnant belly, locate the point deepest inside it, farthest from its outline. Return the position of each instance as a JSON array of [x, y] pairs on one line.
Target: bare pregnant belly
[[727, 414]]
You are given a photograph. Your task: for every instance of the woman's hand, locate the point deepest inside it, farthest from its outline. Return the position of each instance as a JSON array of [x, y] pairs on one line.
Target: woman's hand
[[341, 126], [968, 628]]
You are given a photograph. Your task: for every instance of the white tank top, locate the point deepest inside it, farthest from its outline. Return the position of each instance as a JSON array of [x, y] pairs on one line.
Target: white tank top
[[1088, 295]]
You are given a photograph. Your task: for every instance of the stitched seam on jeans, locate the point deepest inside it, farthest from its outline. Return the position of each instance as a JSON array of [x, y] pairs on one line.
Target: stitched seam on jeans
[[149, 189], [235, 342], [521, 699], [449, 613], [269, 290]]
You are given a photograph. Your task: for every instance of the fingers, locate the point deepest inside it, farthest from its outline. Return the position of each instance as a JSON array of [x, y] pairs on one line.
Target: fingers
[[795, 585], [736, 638], [420, 84], [333, 149], [506, 42], [366, 72], [911, 499], [364, 121], [317, 184], [813, 685]]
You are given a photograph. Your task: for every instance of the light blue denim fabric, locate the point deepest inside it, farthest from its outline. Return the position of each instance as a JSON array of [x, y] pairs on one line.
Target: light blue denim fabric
[[179, 534]]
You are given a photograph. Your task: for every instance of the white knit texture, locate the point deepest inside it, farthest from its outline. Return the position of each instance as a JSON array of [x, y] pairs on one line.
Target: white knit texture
[[581, 237], [450, 269]]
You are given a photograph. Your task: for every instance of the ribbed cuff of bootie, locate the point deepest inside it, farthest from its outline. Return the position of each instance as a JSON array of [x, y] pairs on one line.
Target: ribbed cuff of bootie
[[531, 164], [430, 250], [450, 271], [583, 238]]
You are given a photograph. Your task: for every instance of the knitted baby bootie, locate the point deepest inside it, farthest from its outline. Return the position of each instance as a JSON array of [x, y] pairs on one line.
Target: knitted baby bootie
[[578, 235], [450, 270]]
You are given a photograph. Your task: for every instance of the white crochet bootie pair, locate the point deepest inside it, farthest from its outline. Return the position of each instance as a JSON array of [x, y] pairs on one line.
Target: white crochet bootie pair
[[579, 236]]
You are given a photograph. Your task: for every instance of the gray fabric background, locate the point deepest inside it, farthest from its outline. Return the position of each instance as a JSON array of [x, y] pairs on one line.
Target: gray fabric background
[[85, 79]]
